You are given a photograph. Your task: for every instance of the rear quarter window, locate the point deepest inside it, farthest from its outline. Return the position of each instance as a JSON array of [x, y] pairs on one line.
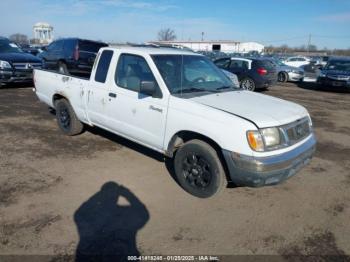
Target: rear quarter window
[[103, 66]]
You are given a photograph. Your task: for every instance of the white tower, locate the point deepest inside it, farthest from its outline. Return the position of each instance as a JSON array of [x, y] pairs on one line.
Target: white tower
[[43, 32]]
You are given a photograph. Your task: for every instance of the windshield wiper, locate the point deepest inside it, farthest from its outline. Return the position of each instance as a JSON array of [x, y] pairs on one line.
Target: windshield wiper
[[224, 87], [193, 89]]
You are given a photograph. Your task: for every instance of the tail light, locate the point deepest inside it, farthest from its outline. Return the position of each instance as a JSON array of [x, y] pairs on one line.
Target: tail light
[[76, 53], [262, 71]]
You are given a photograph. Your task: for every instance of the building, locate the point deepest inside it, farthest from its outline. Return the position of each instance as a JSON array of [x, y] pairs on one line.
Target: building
[[223, 46], [43, 33]]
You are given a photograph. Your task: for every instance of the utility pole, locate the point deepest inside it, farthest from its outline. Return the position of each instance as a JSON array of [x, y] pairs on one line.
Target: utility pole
[[202, 36], [308, 45]]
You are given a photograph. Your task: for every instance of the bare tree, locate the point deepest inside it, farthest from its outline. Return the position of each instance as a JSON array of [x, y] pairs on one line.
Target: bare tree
[[19, 39], [166, 34]]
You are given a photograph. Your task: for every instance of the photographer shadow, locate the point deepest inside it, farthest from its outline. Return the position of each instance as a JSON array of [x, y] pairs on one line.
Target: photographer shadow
[[108, 229]]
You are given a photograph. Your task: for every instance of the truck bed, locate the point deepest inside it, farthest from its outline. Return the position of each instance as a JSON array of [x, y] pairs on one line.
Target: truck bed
[[50, 84]]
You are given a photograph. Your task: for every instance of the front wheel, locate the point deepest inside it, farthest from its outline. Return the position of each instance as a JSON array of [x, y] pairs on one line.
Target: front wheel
[[198, 169], [66, 118], [248, 84]]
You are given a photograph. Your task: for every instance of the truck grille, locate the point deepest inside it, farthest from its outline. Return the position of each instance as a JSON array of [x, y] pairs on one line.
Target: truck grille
[[296, 131], [27, 66]]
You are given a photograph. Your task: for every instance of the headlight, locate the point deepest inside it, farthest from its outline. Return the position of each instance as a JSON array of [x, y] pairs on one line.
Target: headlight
[[264, 139], [271, 136], [5, 65]]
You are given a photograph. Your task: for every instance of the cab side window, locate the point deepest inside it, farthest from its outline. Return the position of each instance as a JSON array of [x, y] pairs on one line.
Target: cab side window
[[131, 71], [103, 66]]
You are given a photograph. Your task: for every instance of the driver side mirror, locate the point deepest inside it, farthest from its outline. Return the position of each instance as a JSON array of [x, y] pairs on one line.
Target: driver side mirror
[[149, 88]]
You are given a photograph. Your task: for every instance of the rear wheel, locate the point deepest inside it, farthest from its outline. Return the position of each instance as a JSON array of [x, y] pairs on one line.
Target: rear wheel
[[282, 77], [198, 169], [66, 118], [248, 84]]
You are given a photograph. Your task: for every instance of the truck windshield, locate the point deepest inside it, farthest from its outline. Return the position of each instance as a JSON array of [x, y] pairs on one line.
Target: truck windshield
[[8, 47], [191, 73]]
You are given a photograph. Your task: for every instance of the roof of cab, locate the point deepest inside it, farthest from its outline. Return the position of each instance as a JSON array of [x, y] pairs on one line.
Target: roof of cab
[[150, 50]]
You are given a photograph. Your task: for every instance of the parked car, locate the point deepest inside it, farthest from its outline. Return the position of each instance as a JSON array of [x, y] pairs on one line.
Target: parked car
[[336, 73], [324, 60], [289, 73], [252, 73], [180, 104], [71, 55], [296, 61], [16, 65], [31, 49]]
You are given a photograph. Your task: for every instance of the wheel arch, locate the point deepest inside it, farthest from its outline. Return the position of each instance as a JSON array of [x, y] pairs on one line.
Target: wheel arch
[[184, 136], [58, 96]]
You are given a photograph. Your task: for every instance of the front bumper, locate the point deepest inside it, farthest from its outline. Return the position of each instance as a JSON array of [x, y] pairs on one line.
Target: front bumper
[[15, 76], [325, 81], [259, 171]]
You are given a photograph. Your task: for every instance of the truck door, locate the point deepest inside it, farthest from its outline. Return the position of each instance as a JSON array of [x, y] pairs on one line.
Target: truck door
[[97, 91], [139, 117]]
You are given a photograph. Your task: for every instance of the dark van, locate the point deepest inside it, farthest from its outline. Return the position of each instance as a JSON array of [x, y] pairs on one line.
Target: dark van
[[71, 55]]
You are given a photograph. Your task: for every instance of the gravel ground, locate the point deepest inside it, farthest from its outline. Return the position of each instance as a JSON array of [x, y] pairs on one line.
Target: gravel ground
[[99, 192]]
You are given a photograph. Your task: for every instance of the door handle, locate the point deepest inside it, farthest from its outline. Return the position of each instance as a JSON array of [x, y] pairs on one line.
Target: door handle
[[114, 95]]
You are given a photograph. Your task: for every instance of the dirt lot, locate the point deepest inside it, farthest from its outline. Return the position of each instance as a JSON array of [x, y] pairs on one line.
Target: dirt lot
[[59, 194]]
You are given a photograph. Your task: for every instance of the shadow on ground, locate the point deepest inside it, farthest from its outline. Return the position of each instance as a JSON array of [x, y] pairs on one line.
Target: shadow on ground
[[107, 228]]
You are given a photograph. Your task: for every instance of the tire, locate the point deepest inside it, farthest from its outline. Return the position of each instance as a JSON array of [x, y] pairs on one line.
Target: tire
[[67, 119], [198, 169], [62, 68], [282, 77], [248, 84]]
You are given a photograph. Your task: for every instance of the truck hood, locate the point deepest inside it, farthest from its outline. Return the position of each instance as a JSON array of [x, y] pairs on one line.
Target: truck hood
[[19, 57], [262, 110]]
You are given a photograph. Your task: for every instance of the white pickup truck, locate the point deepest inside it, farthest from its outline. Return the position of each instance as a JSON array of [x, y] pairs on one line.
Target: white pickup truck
[[180, 104]]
